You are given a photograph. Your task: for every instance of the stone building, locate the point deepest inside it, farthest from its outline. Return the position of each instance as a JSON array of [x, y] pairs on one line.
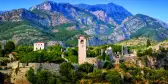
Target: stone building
[[19, 70], [38, 46], [124, 50], [82, 57], [114, 57], [109, 52]]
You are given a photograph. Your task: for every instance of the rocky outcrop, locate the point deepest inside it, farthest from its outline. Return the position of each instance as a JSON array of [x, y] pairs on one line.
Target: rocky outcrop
[[33, 17], [66, 9]]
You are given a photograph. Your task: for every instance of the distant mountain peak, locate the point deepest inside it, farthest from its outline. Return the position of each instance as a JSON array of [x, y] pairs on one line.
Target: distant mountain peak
[[111, 3], [48, 1], [112, 11]]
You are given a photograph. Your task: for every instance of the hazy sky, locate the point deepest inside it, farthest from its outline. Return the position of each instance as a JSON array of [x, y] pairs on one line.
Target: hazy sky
[[154, 8]]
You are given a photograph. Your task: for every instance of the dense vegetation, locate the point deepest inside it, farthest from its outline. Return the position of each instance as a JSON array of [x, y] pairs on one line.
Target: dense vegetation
[[26, 33], [23, 32], [127, 74], [8, 48], [152, 32], [70, 73], [67, 35], [52, 54]]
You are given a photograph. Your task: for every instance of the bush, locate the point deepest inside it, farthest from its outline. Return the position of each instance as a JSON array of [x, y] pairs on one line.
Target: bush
[[72, 59], [9, 47], [86, 67], [32, 57], [59, 60], [31, 77], [113, 77], [65, 69], [108, 65]]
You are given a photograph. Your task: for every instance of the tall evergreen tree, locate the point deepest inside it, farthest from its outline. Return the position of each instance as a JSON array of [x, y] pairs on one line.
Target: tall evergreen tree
[[1, 53], [148, 43], [9, 47]]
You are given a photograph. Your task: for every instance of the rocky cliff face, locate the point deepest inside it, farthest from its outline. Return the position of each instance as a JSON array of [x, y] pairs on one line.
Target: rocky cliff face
[[111, 13], [140, 26], [66, 9], [82, 18], [33, 17]]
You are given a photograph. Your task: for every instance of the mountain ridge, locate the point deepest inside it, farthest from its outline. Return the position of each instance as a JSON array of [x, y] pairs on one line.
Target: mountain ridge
[[55, 20], [112, 11]]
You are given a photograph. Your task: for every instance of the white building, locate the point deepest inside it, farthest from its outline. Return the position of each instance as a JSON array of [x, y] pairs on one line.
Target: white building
[[38, 46]]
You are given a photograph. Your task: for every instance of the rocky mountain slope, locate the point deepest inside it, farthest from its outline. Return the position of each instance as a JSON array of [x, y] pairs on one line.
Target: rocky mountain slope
[[63, 22], [140, 26], [111, 13]]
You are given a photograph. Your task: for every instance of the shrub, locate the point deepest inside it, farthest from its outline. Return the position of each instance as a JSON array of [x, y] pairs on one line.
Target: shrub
[[86, 67]]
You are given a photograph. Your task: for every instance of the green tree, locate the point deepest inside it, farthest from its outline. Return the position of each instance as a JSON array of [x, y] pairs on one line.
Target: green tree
[[116, 48], [32, 57], [43, 77], [72, 59], [55, 80], [58, 60], [9, 47], [140, 53], [148, 43], [91, 53], [24, 49], [108, 65], [113, 77], [1, 51], [72, 52], [86, 67], [148, 52], [4, 61], [73, 76], [31, 77], [97, 75], [65, 69]]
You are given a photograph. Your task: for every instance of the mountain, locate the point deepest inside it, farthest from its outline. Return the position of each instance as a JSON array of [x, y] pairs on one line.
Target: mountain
[[110, 13], [1, 12], [56, 21], [82, 19], [141, 26], [64, 23]]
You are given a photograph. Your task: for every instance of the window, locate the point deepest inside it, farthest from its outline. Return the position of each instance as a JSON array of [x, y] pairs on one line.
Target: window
[[82, 41]]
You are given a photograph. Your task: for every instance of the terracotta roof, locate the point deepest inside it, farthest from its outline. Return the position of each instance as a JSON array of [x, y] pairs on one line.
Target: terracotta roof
[[39, 42], [14, 53], [82, 37]]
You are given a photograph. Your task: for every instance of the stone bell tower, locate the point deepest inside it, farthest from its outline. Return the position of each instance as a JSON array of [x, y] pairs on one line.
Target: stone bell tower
[[81, 49]]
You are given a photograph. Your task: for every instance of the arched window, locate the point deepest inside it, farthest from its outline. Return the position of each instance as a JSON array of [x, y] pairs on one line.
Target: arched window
[[82, 41]]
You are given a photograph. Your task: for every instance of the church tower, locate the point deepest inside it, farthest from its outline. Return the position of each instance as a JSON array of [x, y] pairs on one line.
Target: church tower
[[81, 49]]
